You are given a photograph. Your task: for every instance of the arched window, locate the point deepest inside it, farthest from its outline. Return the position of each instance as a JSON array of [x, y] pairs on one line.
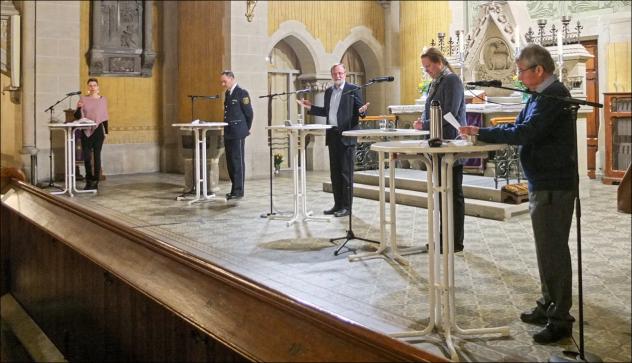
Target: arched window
[[283, 71], [355, 68]]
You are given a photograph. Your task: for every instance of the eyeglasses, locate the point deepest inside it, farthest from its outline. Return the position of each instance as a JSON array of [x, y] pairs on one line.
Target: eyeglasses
[[520, 71]]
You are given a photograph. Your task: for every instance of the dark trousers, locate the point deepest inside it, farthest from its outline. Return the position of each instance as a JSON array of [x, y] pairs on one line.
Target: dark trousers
[[341, 164], [551, 216], [458, 206], [91, 147], [236, 164]]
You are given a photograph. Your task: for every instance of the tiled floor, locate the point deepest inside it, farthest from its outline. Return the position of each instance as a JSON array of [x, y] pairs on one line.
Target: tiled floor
[[496, 277]]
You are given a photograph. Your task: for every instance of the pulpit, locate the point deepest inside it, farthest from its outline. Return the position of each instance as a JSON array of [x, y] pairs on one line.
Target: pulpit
[[70, 117]]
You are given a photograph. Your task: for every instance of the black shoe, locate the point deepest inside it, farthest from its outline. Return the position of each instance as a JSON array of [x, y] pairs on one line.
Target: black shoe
[[342, 213], [536, 316], [89, 185], [233, 196], [331, 211], [552, 333]]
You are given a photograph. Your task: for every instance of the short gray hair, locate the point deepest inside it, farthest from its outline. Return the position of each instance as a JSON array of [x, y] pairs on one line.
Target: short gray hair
[[536, 55], [336, 65], [228, 74]]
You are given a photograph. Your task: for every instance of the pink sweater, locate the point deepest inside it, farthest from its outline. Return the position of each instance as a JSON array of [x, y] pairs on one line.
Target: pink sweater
[[95, 109]]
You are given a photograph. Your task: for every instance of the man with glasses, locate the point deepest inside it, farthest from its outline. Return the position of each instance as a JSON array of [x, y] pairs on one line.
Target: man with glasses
[[343, 106], [544, 131]]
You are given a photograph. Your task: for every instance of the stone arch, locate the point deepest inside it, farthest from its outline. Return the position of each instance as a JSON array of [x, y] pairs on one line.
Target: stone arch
[[309, 51], [372, 53], [362, 40]]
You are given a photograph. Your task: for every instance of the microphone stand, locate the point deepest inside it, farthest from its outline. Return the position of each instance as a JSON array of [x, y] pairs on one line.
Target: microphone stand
[[51, 109], [193, 184], [567, 355], [350, 235], [270, 96]]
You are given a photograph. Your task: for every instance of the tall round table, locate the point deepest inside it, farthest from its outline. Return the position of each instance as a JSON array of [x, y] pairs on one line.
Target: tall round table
[[70, 179], [199, 134], [298, 134], [440, 280]]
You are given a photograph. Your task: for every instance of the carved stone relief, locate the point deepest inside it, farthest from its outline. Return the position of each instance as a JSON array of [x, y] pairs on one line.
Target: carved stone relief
[[121, 38]]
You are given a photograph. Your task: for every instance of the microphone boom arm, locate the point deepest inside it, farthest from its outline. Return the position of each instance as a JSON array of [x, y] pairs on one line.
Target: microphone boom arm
[[571, 100]]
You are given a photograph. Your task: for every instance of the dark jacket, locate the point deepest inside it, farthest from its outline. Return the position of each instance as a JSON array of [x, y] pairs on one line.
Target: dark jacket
[[237, 114], [544, 129], [449, 93], [347, 115]]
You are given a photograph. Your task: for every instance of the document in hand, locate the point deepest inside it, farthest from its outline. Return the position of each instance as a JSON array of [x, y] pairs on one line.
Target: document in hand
[[451, 120]]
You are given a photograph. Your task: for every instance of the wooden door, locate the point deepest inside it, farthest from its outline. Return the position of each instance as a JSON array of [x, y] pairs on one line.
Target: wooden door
[[592, 94]]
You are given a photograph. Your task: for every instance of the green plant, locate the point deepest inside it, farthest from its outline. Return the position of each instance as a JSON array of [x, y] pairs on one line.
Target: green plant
[[519, 85], [278, 160], [423, 87]]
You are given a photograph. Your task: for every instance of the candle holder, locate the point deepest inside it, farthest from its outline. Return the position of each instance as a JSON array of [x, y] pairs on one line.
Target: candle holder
[[541, 25], [579, 29], [565, 21], [450, 46], [441, 37], [529, 36], [553, 34]]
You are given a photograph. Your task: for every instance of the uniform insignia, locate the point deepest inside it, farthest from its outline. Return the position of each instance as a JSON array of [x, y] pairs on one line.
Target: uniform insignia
[[245, 100]]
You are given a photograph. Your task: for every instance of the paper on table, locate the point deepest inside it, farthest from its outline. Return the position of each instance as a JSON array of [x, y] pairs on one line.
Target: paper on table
[[451, 120], [84, 120]]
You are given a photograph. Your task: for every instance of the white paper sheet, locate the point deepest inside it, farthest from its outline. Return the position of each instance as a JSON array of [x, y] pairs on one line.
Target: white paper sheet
[[451, 120]]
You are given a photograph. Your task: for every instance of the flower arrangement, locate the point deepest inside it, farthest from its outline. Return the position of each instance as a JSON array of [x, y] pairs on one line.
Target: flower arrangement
[[517, 83], [423, 87], [278, 160]]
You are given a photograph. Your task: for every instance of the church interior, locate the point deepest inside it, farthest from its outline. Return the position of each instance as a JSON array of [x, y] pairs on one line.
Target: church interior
[[156, 265]]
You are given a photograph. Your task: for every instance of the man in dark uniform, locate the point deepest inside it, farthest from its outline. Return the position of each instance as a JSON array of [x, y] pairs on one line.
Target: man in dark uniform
[[238, 116], [342, 110]]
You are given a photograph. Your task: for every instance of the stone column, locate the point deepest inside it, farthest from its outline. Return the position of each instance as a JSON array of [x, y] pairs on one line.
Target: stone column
[[170, 160], [56, 73], [247, 60], [392, 51], [29, 151]]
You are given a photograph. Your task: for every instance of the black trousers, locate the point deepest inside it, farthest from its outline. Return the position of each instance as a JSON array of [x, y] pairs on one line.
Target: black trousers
[[458, 205], [341, 165], [551, 218], [91, 147], [235, 164]]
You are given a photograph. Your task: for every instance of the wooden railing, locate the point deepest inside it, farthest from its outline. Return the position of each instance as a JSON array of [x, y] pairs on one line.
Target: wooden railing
[[104, 291]]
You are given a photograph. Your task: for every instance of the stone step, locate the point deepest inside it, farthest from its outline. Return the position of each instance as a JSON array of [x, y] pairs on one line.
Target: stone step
[[474, 186], [473, 207]]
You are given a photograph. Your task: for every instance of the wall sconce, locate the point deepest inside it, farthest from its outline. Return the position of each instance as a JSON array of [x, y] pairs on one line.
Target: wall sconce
[[250, 9]]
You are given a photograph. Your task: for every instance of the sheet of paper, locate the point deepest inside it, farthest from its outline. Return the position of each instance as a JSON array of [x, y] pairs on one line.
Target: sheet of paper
[[451, 120]]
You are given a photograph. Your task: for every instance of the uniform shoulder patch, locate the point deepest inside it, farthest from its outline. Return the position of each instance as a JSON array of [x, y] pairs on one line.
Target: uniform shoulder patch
[[245, 100]]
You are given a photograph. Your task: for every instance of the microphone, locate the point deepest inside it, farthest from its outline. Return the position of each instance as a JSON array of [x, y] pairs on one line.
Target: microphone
[[383, 79], [207, 97], [492, 83], [73, 93]]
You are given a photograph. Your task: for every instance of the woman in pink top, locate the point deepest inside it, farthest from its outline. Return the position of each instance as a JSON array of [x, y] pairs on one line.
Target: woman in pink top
[[93, 107]]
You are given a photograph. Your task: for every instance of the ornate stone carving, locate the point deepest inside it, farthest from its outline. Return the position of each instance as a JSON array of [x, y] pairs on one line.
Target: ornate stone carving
[[121, 38]]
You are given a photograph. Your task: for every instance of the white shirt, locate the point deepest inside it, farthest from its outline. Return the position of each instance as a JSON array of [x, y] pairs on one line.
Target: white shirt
[[334, 103], [232, 88]]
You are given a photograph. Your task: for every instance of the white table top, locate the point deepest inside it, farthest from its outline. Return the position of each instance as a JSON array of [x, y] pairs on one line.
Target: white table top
[[421, 146], [201, 124], [72, 124], [385, 132], [299, 127]]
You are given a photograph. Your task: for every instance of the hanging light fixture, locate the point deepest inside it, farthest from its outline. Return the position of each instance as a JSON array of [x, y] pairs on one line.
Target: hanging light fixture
[[250, 9]]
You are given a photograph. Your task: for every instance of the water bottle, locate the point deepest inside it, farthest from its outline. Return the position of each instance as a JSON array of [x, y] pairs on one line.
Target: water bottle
[[436, 124]]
